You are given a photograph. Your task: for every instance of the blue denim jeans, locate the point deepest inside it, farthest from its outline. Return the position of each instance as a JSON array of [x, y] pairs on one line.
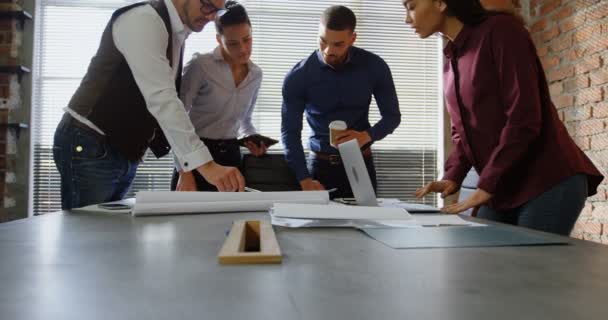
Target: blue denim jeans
[[554, 211], [91, 171]]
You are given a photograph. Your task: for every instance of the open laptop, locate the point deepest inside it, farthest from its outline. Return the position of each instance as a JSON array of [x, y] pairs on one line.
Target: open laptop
[[359, 179], [361, 183]]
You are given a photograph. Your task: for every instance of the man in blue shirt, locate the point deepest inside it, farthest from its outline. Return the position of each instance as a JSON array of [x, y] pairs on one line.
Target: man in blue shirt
[[336, 82]]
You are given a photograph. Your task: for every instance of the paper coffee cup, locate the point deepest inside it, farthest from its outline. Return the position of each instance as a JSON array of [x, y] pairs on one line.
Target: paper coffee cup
[[335, 128]]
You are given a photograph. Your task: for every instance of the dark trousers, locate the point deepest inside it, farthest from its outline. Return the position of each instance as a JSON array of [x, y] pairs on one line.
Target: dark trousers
[[331, 174], [554, 211], [224, 152]]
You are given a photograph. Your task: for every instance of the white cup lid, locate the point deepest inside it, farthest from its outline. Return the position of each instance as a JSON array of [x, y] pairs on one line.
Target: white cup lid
[[338, 125]]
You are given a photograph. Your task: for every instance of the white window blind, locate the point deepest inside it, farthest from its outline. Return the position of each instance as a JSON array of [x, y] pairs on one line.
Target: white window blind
[[285, 31]]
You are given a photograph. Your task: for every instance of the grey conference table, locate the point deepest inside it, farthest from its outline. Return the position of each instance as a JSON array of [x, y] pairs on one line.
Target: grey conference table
[[112, 266]]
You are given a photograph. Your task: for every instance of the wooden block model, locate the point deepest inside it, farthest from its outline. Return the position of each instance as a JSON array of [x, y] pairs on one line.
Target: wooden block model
[[250, 242]]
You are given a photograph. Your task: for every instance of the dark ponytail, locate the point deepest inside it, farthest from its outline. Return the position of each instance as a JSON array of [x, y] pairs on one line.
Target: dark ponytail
[[235, 15]]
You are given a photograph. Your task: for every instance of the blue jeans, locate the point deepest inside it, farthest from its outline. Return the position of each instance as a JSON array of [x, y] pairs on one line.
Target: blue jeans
[[554, 211], [91, 170]]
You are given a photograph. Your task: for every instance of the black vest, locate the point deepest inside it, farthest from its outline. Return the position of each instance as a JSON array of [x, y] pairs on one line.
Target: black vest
[[109, 97]]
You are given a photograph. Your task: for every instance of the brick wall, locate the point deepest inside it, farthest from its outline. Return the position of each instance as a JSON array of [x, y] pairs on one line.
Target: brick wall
[[10, 103], [572, 41]]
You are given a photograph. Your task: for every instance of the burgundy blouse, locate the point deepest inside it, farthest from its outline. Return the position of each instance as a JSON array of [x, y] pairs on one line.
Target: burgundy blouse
[[503, 121]]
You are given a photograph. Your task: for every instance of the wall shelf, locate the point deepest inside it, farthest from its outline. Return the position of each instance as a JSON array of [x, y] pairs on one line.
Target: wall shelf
[[15, 126], [20, 15], [18, 70]]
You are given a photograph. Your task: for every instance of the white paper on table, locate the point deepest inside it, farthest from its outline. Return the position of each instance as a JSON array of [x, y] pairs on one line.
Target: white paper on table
[[409, 206], [416, 221], [439, 220], [311, 211], [340, 223], [169, 202]]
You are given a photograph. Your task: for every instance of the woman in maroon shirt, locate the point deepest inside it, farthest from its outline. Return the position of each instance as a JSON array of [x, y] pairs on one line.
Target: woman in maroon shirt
[[504, 124]]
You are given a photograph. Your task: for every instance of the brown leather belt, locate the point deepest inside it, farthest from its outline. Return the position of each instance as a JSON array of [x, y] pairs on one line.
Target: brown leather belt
[[335, 158]]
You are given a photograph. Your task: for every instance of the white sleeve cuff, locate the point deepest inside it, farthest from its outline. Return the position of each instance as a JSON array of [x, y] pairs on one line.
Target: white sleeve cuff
[[193, 160], [176, 163]]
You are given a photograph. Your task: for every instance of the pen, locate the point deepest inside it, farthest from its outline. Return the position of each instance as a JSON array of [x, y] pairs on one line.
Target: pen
[[251, 190], [332, 190]]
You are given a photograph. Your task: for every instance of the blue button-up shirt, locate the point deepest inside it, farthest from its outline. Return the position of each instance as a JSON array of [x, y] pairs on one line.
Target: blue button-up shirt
[[326, 94]]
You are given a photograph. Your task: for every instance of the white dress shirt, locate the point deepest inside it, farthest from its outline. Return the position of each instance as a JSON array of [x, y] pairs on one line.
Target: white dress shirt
[[141, 36], [217, 107]]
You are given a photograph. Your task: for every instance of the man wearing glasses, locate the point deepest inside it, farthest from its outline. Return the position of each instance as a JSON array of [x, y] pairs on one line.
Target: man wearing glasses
[[128, 102]]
